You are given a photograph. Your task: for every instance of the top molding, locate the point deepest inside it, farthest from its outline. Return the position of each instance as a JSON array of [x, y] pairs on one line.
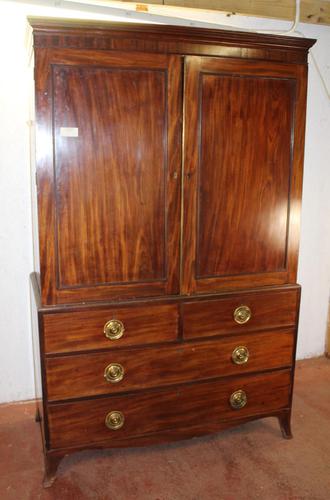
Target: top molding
[[102, 35]]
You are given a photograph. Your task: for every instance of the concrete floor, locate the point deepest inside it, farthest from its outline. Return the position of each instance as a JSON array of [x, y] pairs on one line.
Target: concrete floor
[[249, 462]]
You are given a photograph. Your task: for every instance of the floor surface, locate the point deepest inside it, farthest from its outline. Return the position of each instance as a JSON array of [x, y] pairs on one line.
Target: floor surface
[[249, 462]]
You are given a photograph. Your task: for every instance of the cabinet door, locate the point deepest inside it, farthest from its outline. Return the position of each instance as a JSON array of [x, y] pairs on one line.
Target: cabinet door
[[108, 166], [243, 153]]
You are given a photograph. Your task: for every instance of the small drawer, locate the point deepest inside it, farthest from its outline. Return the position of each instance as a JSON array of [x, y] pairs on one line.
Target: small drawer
[[240, 313], [85, 375], [197, 405], [114, 327]]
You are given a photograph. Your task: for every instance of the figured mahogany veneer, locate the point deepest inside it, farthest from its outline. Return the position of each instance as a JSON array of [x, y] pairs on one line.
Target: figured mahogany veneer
[[215, 317], [72, 424], [242, 173], [83, 375], [242, 135], [128, 217], [169, 176], [113, 189], [84, 330]]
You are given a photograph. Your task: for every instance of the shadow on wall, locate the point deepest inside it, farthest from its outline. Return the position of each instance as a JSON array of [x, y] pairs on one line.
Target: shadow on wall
[[327, 341]]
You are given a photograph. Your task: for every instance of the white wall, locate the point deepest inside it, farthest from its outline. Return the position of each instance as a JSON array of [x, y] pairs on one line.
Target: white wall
[[16, 372], [314, 258], [15, 232]]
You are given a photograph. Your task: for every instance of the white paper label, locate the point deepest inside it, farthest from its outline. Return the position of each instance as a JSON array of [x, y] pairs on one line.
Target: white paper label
[[69, 131]]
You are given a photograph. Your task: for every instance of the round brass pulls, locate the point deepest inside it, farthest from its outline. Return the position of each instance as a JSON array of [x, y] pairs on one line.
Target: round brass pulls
[[238, 399], [114, 420], [242, 314], [240, 355], [114, 329], [114, 373]]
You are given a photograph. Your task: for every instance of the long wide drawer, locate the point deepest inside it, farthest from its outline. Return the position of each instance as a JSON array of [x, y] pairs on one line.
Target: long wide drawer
[[86, 329], [74, 424], [240, 313], [117, 371]]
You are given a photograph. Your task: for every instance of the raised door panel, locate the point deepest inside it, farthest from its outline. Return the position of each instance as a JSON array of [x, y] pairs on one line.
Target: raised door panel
[[110, 185], [242, 180], [110, 226]]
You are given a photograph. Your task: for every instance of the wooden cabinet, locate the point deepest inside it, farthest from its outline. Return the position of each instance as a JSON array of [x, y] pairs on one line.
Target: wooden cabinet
[[169, 175]]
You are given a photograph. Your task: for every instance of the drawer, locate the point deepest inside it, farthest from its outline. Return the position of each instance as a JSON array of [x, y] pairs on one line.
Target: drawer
[[216, 317], [84, 330], [81, 423], [83, 375]]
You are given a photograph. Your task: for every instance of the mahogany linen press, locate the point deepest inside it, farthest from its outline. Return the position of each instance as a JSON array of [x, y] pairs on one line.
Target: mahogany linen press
[[169, 176]]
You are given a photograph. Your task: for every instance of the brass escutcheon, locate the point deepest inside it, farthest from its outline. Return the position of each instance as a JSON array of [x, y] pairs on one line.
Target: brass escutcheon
[[114, 373], [240, 355], [242, 314], [114, 329], [114, 420], [238, 399]]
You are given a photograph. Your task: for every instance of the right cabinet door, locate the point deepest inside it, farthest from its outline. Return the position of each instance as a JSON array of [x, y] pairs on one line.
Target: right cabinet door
[[243, 155]]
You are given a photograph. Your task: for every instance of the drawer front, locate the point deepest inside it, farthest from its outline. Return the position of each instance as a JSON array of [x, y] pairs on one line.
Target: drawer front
[[74, 424], [84, 375], [216, 317], [84, 330]]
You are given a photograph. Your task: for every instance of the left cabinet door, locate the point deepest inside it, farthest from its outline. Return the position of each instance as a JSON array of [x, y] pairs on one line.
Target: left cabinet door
[[108, 168]]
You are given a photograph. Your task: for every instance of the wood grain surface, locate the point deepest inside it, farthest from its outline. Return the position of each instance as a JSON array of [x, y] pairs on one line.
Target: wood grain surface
[[83, 375], [113, 190], [110, 181], [156, 411], [84, 330], [244, 174], [216, 317], [175, 434], [242, 178], [152, 38], [311, 11]]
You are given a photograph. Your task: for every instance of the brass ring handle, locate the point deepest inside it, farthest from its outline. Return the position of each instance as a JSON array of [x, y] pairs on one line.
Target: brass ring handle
[[114, 329], [114, 373], [240, 355], [242, 314], [238, 399], [114, 420]]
